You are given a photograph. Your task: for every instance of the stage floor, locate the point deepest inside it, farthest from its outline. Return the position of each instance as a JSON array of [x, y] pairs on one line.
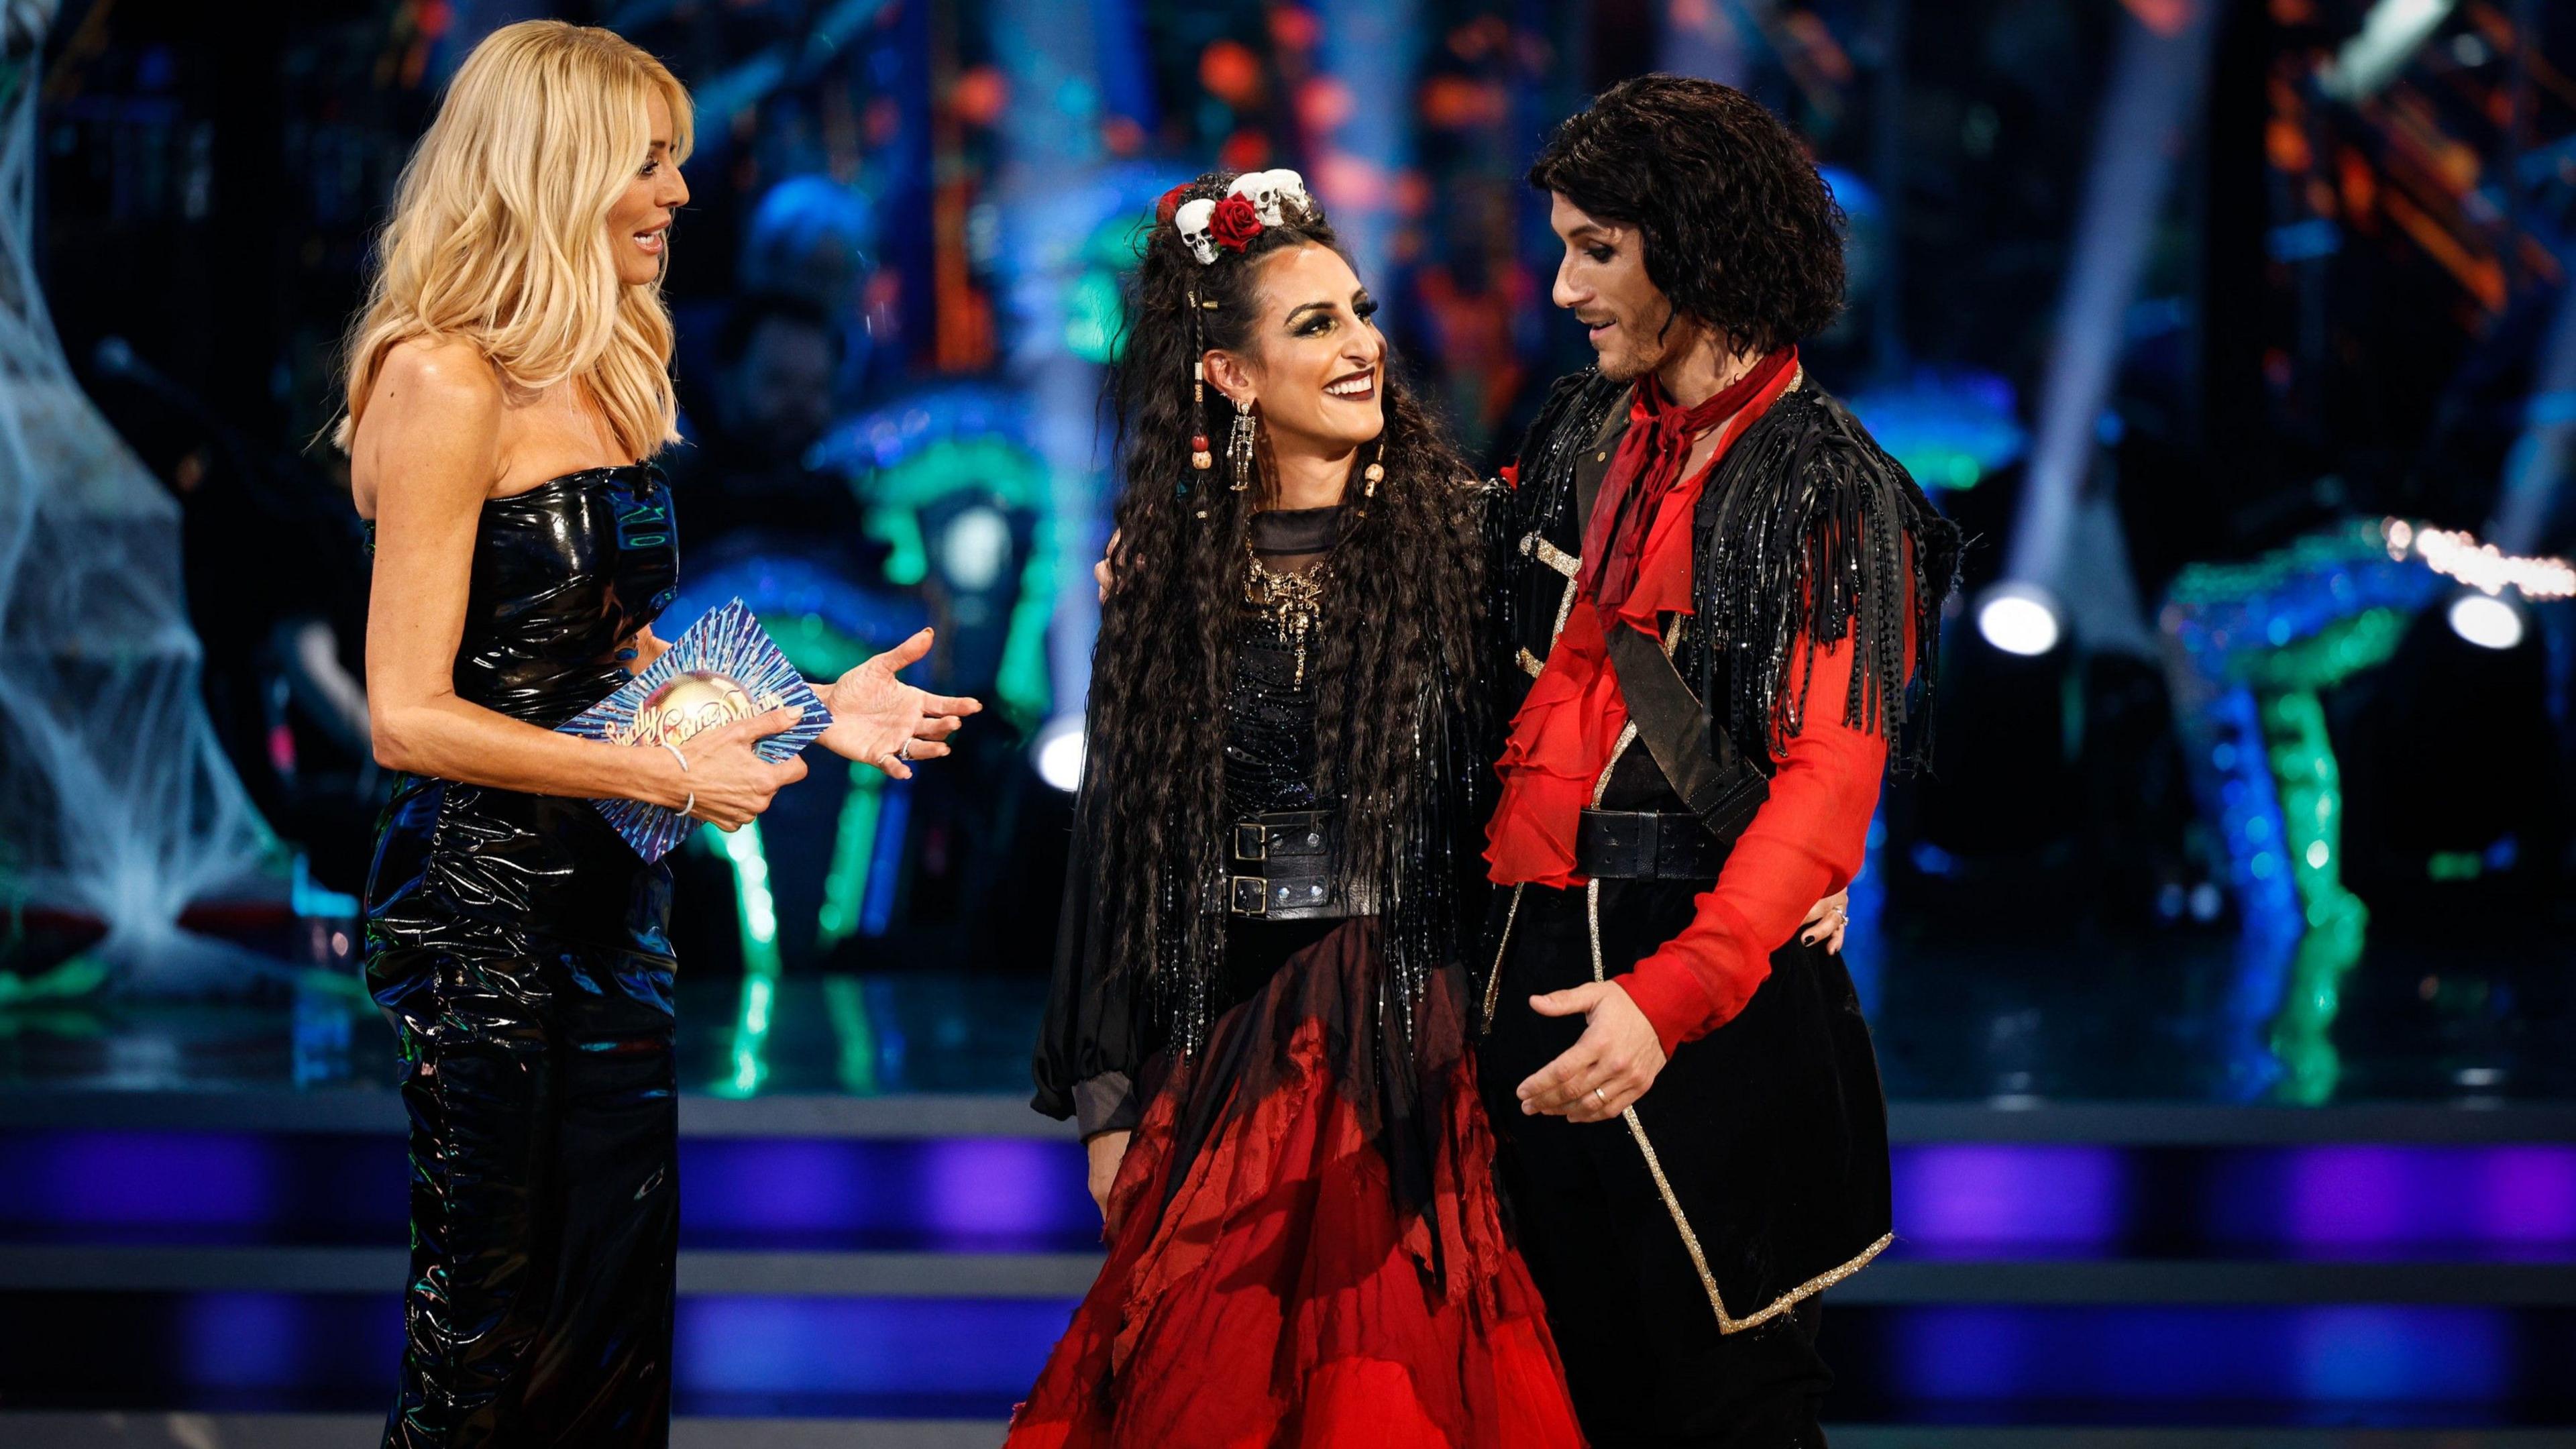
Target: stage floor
[[2184, 1196], [2181, 1018]]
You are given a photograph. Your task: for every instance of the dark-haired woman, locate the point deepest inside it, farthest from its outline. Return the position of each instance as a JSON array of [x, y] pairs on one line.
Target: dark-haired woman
[[1258, 1012]]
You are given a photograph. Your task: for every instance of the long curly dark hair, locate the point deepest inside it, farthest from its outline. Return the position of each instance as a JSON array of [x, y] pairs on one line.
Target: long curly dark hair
[[1396, 657], [1741, 231]]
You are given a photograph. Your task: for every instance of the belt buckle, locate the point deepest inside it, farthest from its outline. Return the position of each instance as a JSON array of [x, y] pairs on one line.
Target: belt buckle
[[1251, 840], [1259, 894]]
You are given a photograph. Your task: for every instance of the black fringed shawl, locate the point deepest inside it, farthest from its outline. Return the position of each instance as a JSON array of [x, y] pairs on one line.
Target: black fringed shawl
[[1803, 533], [1809, 530]]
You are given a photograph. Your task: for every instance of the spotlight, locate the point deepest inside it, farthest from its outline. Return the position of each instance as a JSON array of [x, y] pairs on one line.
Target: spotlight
[[2020, 619], [2486, 621], [974, 549], [2389, 37], [1058, 752]]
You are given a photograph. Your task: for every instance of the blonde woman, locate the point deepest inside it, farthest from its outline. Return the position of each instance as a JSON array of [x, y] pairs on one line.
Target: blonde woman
[[508, 383]]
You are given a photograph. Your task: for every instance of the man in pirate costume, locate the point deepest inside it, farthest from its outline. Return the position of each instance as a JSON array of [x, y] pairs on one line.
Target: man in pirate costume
[[1724, 600]]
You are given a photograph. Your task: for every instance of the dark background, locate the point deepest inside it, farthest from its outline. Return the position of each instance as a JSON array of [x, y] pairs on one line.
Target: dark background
[[2342, 313]]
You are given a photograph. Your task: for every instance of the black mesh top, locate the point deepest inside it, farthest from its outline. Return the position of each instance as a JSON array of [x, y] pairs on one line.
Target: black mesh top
[[1270, 728]]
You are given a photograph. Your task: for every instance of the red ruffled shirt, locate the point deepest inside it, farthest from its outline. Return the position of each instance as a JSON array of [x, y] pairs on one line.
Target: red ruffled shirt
[[1804, 843]]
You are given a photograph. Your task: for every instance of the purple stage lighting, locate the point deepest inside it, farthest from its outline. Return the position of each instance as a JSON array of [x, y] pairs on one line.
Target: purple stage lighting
[[1977, 1200]]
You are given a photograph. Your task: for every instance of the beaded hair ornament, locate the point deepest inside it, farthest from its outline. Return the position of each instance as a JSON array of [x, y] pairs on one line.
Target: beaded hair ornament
[[1210, 228]]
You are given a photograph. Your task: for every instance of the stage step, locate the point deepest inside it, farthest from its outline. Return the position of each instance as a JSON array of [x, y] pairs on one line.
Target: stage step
[[342, 1431], [2425, 1186], [350, 1431], [892, 1270], [353, 1109], [85, 1268]]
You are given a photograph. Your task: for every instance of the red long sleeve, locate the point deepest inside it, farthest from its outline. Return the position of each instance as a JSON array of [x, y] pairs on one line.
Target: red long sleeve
[[1805, 843]]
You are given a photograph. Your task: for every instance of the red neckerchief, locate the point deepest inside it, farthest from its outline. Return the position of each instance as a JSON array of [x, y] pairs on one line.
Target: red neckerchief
[[1569, 725], [1649, 466]]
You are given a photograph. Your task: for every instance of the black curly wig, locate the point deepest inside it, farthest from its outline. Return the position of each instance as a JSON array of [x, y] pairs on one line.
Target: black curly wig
[[1397, 654], [1741, 231]]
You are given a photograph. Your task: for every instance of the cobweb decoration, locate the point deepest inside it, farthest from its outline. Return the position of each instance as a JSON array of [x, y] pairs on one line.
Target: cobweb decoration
[[116, 801]]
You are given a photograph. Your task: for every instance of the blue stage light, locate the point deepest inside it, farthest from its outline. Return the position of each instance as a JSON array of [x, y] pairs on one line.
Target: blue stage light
[[2356, 1354], [986, 1348], [2154, 90], [1950, 428], [2334, 1359], [953, 1194]]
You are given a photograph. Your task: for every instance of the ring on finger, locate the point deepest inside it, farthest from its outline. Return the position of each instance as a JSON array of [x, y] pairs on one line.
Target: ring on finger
[[1597, 1094]]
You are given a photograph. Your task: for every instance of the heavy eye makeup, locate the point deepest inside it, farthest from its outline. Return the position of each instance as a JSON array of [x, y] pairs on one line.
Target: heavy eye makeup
[[1597, 244], [1314, 319]]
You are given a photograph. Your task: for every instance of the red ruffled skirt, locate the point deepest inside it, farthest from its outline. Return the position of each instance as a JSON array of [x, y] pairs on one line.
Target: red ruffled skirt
[[1263, 1286]]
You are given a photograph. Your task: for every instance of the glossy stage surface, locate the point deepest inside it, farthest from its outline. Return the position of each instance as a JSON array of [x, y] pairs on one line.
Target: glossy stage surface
[[2047, 1015], [2138, 1203]]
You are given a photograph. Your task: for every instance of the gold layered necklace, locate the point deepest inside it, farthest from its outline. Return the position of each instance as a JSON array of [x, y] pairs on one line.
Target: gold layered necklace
[[1293, 601]]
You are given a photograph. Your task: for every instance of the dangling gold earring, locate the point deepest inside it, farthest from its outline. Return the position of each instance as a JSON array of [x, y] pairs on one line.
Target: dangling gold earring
[[1370, 477]]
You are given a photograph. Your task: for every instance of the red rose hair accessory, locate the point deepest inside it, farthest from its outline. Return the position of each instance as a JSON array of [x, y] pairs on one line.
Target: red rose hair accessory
[[1258, 201], [1234, 224]]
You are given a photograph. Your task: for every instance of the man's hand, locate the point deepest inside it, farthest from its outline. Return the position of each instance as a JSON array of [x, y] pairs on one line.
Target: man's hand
[[879, 720], [1607, 1069]]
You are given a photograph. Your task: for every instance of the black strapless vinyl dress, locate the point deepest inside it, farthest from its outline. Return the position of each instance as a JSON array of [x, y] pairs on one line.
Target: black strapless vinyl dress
[[519, 945]]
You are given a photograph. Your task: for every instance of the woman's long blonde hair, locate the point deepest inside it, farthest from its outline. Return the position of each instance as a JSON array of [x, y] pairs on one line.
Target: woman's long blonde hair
[[499, 232]]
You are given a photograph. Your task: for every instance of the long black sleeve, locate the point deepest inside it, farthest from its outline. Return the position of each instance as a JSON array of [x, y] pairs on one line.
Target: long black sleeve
[[1092, 1040]]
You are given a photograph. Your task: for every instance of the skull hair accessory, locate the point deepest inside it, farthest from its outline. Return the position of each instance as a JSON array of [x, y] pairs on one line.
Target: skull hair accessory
[[1267, 195]]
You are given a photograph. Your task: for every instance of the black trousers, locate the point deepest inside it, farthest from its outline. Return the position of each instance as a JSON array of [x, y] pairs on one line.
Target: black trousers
[[544, 1196], [1643, 1356]]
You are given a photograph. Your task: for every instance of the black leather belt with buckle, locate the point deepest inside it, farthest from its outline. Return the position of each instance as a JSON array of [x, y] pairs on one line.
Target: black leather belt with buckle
[[1645, 845], [1282, 868]]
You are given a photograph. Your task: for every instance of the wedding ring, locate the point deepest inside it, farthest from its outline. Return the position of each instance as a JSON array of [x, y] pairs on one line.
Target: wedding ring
[[1597, 1093], [903, 751]]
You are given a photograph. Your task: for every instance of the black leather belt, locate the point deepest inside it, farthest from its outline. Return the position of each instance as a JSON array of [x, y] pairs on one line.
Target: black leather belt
[[1282, 868], [1645, 845]]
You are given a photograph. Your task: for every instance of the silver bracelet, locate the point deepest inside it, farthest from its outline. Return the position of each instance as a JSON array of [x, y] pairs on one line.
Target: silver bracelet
[[691, 807]]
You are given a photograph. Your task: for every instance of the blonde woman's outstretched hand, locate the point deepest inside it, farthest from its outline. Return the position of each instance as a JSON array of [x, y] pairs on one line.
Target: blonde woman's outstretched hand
[[879, 720]]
